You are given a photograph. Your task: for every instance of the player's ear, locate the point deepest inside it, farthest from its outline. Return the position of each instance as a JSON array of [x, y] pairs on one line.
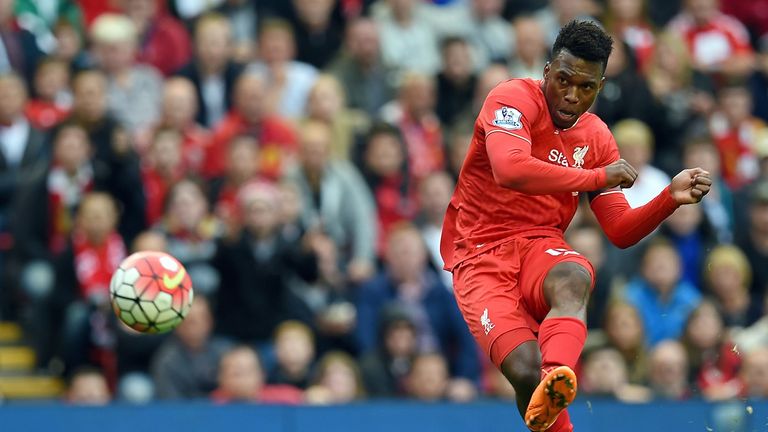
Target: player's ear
[[546, 70], [602, 83]]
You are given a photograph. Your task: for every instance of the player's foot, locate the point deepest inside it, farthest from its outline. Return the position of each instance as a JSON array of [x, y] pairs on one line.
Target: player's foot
[[555, 392]]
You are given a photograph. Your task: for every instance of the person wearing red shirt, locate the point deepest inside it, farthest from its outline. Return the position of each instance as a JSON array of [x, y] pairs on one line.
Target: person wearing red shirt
[[522, 289], [277, 139]]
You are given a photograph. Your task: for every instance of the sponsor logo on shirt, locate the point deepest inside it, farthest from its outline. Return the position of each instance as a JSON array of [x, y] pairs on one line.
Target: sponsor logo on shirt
[[508, 118]]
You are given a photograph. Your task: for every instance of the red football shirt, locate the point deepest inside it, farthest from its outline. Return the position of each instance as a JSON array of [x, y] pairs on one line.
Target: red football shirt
[[515, 119]]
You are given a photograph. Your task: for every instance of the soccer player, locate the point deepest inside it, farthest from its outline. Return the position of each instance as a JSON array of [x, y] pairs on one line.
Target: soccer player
[[522, 290]]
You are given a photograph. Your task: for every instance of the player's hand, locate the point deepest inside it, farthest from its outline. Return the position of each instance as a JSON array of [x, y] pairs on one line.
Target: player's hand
[[690, 186], [620, 173]]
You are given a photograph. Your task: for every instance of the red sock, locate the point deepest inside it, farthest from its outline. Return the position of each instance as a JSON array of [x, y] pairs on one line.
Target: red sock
[[562, 424], [561, 341]]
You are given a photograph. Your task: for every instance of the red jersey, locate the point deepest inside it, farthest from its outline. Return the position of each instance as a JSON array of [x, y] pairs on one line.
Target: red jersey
[[714, 42], [515, 119]]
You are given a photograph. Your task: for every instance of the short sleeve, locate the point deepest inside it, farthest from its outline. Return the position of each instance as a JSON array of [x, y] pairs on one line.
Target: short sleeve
[[510, 108]]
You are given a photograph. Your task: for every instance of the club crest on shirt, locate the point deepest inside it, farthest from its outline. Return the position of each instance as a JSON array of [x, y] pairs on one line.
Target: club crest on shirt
[[507, 118], [578, 156]]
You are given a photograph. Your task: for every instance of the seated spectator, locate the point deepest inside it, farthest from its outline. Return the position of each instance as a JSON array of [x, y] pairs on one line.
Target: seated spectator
[[428, 378], [406, 280], [408, 39], [338, 380], [753, 238], [718, 43], [185, 366], [734, 130], [69, 45], [630, 21], [88, 386], [134, 90], [52, 99], [414, 114], [531, 53], [713, 363], [624, 332], [243, 17], [27, 51], [191, 232], [318, 31], [385, 168], [250, 116], [288, 81], [164, 40], [212, 70], [336, 201], [368, 83], [692, 235], [727, 276], [242, 167], [161, 169], [256, 267], [327, 103], [635, 141], [241, 378], [605, 375], [668, 371], [663, 300], [754, 373], [456, 81], [457, 150], [435, 193], [385, 368], [295, 355], [590, 242], [83, 274], [150, 241]]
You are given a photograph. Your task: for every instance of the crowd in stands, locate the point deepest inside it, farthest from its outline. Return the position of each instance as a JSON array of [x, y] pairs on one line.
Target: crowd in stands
[[297, 157]]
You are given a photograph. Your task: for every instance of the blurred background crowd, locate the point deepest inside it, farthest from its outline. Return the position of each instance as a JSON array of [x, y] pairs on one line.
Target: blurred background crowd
[[297, 157]]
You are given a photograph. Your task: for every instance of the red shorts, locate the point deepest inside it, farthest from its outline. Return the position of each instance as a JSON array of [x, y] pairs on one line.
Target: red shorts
[[500, 291]]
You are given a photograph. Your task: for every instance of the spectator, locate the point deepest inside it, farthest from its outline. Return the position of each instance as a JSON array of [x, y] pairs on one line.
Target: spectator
[[734, 131], [692, 236], [212, 70], [185, 366], [88, 386], [713, 363], [336, 201], [759, 82], [635, 141], [590, 242], [481, 24], [457, 150], [243, 17], [663, 300], [53, 99], [327, 103], [368, 82], [69, 45], [39, 19], [414, 114], [256, 267], [318, 34], [754, 373], [385, 168], [531, 55], [250, 116], [407, 281], [605, 375], [83, 274], [727, 277], [20, 49], [754, 239], [408, 40], [456, 81], [668, 371], [164, 42], [191, 232], [338, 380], [295, 355], [161, 169], [242, 167], [434, 195], [624, 331], [386, 367], [289, 81], [429, 379], [241, 379], [629, 20], [718, 43], [134, 90]]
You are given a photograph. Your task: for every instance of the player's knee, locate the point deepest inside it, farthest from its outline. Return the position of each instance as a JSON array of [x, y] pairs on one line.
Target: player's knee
[[522, 368], [567, 286]]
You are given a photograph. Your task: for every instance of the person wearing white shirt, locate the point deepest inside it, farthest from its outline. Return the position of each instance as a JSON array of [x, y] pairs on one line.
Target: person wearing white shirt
[[635, 141]]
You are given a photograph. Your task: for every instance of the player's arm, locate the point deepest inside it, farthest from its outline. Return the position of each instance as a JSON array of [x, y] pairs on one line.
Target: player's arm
[[624, 226]]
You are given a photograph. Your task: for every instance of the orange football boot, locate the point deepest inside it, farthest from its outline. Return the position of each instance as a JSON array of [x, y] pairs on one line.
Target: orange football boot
[[554, 393]]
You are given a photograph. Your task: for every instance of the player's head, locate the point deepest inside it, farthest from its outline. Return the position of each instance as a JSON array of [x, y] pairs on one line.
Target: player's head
[[574, 76]]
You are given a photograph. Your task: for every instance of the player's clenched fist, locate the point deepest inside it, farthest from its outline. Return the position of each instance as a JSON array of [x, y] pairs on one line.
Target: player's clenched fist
[[690, 186], [620, 173]]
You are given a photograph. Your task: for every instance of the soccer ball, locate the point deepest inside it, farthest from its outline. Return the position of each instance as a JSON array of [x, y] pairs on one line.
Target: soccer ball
[[151, 292]]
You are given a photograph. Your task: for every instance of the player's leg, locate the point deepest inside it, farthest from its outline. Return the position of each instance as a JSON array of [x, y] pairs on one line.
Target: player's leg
[[522, 368]]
